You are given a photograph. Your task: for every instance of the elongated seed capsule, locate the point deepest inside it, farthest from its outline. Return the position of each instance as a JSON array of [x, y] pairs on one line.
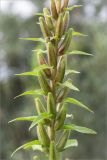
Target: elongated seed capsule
[[41, 109], [65, 4], [66, 21], [48, 18], [59, 26], [44, 28], [42, 60], [62, 94], [66, 42], [51, 104], [52, 155], [53, 9], [51, 55], [62, 141], [60, 70], [43, 82], [42, 135], [61, 117], [58, 6], [39, 106]]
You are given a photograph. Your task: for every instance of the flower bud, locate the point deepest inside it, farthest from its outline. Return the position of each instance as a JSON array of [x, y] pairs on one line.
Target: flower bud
[[48, 18], [62, 94], [66, 42], [65, 4], [43, 82], [41, 109], [53, 9], [51, 104], [60, 70], [62, 141], [44, 28], [61, 117], [59, 26], [51, 55], [66, 21], [42, 135], [39, 106], [42, 60], [58, 6]]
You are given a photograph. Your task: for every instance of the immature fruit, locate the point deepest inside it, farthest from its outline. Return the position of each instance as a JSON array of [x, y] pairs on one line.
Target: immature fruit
[[59, 26], [62, 94], [42, 61], [41, 109], [43, 82], [52, 155], [65, 4], [48, 18], [51, 104], [65, 21], [42, 135], [62, 141], [66, 42], [44, 28], [60, 70], [53, 9], [61, 117], [51, 55], [39, 106], [58, 6]]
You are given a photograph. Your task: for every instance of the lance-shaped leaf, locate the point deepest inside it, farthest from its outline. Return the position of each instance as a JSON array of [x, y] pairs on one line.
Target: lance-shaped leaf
[[69, 85], [74, 33], [27, 145], [78, 103], [39, 51], [35, 71], [69, 71], [40, 119], [37, 147], [39, 14], [34, 39], [31, 118], [31, 92], [76, 52], [73, 7], [78, 129], [71, 143]]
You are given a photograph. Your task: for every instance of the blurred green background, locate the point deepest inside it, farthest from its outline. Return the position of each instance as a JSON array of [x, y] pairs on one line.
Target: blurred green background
[[17, 19]]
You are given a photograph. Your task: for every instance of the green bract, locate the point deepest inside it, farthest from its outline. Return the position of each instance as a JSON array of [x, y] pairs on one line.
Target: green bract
[[52, 74]]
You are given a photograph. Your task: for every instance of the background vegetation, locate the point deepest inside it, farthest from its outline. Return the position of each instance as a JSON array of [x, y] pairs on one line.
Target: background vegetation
[[16, 56]]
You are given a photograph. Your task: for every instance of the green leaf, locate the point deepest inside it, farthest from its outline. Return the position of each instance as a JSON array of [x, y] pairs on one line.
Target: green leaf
[[31, 118], [31, 92], [40, 51], [69, 85], [40, 119], [69, 71], [37, 147], [39, 14], [36, 70], [74, 33], [31, 73], [71, 143], [79, 129], [78, 103], [34, 39], [26, 146], [76, 52], [73, 7]]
